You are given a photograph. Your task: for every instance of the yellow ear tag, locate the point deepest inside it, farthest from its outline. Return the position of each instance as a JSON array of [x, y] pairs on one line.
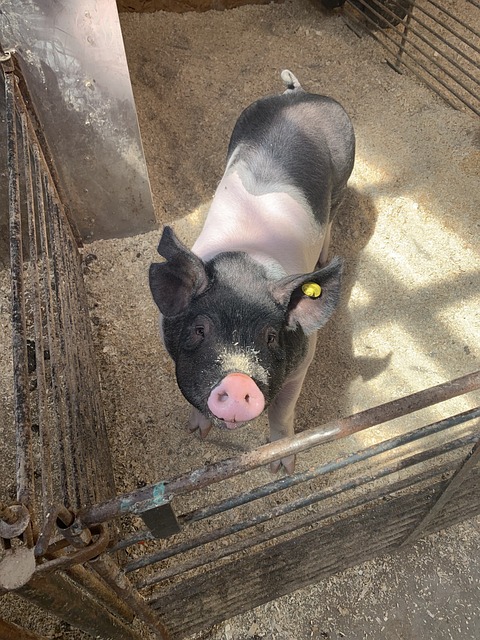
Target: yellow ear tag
[[312, 289]]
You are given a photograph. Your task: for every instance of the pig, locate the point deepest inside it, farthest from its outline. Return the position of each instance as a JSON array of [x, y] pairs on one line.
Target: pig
[[239, 312]]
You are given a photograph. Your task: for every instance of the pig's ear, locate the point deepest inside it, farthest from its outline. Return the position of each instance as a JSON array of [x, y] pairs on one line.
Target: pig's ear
[[310, 299], [175, 282]]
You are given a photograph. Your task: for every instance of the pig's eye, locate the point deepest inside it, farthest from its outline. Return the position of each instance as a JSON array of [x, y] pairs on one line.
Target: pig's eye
[[271, 337], [200, 331]]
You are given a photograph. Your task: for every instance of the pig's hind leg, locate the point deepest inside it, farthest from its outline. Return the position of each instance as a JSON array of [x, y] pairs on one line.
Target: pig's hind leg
[[197, 421], [281, 413]]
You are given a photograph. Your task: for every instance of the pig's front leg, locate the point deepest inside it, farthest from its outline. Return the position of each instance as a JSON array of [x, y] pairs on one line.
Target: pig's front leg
[[198, 421], [281, 413]]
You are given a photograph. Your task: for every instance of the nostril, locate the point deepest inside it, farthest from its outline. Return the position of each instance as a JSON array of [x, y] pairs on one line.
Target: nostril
[[222, 397], [247, 397]]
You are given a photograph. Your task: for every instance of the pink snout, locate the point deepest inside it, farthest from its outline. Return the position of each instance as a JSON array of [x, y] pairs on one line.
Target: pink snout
[[237, 399]]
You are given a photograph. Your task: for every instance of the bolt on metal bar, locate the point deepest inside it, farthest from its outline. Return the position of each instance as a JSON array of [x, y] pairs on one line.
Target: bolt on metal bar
[[300, 523], [126, 503], [459, 477], [25, 467], [300, 503]]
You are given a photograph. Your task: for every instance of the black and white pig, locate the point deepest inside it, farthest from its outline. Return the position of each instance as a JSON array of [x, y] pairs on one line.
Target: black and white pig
[[240, 310]]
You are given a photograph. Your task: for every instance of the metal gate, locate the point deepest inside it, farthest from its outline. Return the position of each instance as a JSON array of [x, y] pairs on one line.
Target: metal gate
[[99, 560], [428, 39]]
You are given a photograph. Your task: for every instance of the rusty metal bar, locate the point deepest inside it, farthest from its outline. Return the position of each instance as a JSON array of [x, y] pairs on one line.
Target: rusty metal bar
[[121, 585], [11, 631], [404, 40], [297, 525], [386, 36], [406, 28], [43, 425], [422, 52], [448, 27], [286, 482], [64, 599], [25, 468], [335, 465], [300, 503], [458, 479], [159, 492]]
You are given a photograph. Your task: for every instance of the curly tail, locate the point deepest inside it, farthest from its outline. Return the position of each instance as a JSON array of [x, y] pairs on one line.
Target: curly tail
[[290, 81]]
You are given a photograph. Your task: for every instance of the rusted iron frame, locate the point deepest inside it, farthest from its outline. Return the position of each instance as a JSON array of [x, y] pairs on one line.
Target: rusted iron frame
[[294, 527], [404, 38], [63, 400], [300, 503], [86, 577], [14, 520], [334, 465], [456, 481], [310, 474], [44, 430], [425, 80], [80, 556], [58, 458], [448, 27], [37, 131], [430, 58], [64, 316], [114, 577], [67, 601], [391, 534], [24, 462], [11, 631], [446, 42], [157, 493]]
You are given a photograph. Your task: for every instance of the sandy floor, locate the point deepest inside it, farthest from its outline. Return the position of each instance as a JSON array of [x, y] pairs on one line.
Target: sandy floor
[[409, 315]]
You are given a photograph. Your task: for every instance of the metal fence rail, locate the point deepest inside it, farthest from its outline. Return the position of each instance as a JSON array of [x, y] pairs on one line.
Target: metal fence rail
[[429, 40]]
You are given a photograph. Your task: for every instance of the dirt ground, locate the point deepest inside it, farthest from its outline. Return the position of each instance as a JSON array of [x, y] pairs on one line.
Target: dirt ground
[[409, 315]]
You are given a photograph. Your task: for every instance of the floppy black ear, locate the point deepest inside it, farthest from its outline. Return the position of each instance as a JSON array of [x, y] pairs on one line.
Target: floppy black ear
[[310, 298], [175, 282]]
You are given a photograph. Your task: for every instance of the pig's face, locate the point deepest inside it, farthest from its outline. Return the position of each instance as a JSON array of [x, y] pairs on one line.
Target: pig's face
[[234, 328]]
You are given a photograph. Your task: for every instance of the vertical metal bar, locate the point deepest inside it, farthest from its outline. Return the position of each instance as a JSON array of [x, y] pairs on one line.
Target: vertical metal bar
[[24, 464], [43, 418], [458, 478], [52, 332], [89, 580], [114, 576], [11, 631], [406, 28], [63, 598]]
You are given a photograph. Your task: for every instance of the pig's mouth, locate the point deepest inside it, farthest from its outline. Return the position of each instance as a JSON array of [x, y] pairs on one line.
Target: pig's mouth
[[228, 424], [234, 424]]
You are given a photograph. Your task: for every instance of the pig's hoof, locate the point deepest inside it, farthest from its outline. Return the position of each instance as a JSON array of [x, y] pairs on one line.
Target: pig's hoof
[[287, 463], [197, 421]]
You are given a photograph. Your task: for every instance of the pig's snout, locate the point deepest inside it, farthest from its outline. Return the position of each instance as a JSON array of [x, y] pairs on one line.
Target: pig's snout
[[236, 399]]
